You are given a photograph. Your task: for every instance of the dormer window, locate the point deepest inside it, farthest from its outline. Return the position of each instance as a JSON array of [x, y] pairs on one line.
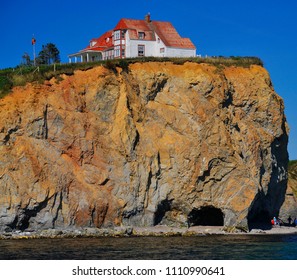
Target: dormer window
[[141, 35], [92, 43], [117, 35]]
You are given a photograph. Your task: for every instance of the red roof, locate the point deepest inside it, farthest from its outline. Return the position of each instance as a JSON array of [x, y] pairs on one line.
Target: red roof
[[137, 24], [100, 44], [170, 37], [164, 30]]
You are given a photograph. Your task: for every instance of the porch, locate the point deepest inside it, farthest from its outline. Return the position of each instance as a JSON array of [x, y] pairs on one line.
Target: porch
[[85, 56]]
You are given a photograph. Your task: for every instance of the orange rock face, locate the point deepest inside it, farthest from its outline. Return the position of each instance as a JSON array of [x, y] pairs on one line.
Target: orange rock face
[[159, 144]]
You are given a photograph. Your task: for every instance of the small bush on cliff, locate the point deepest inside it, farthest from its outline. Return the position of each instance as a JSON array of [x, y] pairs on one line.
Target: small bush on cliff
[[124, 65], [292, 163], [5, 85], [111, 66]]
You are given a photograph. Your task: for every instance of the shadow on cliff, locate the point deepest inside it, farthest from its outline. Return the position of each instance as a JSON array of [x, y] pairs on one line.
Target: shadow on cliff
[[267, 205], [22, 219], [259, 215]]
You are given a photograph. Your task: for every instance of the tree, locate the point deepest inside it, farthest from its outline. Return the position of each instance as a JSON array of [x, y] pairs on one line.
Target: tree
[[48, 55], [26, 60]]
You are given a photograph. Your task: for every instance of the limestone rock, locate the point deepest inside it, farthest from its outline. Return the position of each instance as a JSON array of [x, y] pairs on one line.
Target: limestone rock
[[161, 144], [289, 208]]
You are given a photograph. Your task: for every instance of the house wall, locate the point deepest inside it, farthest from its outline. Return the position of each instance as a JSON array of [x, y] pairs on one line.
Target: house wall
[[153, 48], [109, 54], [132, 47], [160, 45], [149, 48], [176, 52]]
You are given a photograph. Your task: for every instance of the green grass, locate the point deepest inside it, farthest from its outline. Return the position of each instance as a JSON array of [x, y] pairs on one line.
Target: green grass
[[19, 76], [292, 163]]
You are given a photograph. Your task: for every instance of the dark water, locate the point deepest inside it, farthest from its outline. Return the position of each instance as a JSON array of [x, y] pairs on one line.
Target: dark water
[[243, 247]]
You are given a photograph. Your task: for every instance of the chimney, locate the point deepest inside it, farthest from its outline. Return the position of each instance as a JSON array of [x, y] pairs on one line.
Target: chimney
[[148, 18]]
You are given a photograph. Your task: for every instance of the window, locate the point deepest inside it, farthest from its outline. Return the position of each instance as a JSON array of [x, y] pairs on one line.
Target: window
[[117, 35], [117, 51], [162, 50], [123, 52], [140, 50], [141, 35], [123, 34]]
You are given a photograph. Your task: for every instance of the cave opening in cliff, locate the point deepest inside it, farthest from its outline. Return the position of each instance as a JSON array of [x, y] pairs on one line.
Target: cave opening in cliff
[[259, 220], [259, 216], [163, 207], [206, 216]]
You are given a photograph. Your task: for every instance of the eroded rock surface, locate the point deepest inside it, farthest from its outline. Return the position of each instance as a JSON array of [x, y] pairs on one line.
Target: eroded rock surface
[[289, 207], [160, 144]]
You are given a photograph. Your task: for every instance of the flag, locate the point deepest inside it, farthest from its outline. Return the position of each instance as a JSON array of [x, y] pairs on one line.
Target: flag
[[33, 41]]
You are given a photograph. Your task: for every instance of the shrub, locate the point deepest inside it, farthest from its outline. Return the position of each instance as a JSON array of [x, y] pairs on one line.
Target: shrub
[[111, 66], [5, 85], [292, 163], [124, 65]]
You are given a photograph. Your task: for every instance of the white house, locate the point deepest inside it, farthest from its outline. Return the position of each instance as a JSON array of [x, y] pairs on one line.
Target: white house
[[137, 38]]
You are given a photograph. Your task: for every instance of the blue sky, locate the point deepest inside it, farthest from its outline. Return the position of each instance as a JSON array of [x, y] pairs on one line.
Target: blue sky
[[263, 28]]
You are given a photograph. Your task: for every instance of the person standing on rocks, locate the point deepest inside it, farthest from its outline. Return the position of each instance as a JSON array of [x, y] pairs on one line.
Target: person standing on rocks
[[289, 220]]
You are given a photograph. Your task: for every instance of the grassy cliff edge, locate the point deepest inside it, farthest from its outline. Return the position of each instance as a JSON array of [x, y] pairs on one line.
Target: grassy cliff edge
[[22, 75]]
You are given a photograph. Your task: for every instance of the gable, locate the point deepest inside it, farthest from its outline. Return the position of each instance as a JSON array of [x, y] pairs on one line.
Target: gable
[[170, 37], [135, 27], [101, 43]]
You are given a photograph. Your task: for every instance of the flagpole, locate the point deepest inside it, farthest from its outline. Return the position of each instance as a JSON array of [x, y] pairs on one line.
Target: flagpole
[[34, 54]]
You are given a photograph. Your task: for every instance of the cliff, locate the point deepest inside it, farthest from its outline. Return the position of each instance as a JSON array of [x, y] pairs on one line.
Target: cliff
[[289, 207], [159, 143]]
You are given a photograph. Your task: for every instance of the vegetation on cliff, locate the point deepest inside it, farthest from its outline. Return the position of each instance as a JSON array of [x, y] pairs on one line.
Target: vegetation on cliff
[[21, 75], [47, 56], [292, 164]]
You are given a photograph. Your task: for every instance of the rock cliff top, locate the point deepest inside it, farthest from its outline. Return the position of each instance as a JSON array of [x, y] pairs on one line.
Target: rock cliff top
[[158, 144]]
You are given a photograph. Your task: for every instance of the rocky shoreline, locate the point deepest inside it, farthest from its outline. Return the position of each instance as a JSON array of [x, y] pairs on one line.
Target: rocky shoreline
[[158, 231]]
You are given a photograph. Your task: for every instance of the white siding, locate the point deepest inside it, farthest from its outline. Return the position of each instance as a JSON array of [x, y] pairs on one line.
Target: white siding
[[176, 52], [148, 45], [160, 45], [153, 48], [128, 52]]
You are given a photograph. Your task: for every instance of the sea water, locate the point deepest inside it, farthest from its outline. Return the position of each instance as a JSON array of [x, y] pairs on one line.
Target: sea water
[[210, 247]]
